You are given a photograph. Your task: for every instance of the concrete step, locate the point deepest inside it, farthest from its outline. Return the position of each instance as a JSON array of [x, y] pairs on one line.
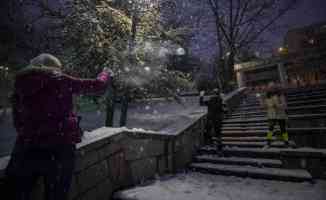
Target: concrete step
[[297, 175], [300, 116], [239, 161], [245, 116], [249, 108], [248, 128], [244, 125], [235, 112], [248, 134], [306, 92], [273, 153], [307, 109], [306, 97], [294, 102], [245, 120], [292, 110], [245, 132], [249, 144], [307, 102], [246, 139], [310, 130]]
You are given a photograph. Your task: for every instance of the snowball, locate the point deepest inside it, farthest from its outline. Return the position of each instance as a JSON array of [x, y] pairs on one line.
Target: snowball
[[180, 51]]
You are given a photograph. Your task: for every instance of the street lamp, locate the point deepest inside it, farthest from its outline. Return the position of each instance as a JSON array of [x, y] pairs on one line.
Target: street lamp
[[281, 49]]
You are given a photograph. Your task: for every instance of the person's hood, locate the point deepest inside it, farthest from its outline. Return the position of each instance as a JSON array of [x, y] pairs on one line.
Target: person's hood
[[32, 79]]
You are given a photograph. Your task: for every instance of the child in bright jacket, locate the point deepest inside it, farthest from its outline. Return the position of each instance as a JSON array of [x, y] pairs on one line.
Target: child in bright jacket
[[275, 104]]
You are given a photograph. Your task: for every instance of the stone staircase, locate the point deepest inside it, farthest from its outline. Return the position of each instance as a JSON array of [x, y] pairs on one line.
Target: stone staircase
[[244, 140]]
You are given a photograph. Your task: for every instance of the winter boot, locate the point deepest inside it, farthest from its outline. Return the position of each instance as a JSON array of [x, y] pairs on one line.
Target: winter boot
[[285, 137], [269, 138]]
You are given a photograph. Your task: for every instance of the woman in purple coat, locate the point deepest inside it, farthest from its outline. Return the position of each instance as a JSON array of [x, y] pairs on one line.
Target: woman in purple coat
[[47, 129]]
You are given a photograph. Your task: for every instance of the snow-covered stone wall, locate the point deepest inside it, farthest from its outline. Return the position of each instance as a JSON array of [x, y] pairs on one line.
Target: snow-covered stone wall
[[111, 158]]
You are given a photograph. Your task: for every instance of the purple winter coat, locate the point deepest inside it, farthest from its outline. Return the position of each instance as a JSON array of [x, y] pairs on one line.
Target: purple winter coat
[[43, 105]]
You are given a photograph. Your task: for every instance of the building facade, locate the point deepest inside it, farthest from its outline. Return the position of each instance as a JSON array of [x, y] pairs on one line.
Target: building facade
[[301, 61]]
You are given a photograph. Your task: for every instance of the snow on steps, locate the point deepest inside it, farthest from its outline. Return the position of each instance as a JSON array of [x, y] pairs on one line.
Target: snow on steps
[[291, 103], [244, 133], [253, 144], [265, 152], [253, 172], [244, 152], [239, 161], [253, 128], [246, 120], [244, 124], [244, 116], [306, 97], [246, 139], [247, 113]]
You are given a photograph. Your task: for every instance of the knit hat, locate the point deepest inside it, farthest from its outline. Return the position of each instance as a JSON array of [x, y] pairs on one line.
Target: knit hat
[[46, 60]]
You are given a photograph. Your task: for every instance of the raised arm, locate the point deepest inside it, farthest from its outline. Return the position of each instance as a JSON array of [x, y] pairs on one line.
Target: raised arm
[[87, 86], [201, 99]]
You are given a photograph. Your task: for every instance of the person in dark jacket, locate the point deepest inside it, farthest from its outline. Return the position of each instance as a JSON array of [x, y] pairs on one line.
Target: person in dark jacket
[[47, 128], [215, 110]]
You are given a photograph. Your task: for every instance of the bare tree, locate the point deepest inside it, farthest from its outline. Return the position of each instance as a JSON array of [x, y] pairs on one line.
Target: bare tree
[[241, 23]]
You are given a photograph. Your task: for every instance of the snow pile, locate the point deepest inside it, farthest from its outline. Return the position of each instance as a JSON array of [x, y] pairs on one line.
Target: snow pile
[[105, 132], [195, 186]]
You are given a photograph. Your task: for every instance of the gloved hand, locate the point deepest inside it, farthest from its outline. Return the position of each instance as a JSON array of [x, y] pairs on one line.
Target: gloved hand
[[109, 71]]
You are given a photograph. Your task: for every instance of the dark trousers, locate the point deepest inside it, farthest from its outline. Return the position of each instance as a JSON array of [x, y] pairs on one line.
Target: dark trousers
[[273, 122], [213, 129], [28, 163]]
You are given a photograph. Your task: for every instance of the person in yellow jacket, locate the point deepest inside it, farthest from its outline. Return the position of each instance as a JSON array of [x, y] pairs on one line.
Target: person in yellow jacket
[[276, 106]]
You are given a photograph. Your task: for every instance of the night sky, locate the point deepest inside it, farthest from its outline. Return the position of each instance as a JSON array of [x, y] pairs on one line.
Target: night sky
[[308, 12]]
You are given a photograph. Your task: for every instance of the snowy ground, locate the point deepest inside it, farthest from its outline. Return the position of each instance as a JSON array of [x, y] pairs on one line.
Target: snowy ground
[[159, 115], [197, 186]]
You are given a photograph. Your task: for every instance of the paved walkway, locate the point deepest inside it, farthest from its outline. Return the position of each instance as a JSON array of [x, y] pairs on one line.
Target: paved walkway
[[195, 186]]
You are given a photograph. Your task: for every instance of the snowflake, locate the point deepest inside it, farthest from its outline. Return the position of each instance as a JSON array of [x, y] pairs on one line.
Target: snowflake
[[147, 69], [127, 69]]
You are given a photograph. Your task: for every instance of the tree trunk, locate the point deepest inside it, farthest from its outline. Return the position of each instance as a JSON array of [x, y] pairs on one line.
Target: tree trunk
[[230, 70], [124, 110], [110, 107]]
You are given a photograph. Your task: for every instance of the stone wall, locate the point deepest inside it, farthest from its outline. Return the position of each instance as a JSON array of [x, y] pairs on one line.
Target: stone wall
[[115, 158]]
